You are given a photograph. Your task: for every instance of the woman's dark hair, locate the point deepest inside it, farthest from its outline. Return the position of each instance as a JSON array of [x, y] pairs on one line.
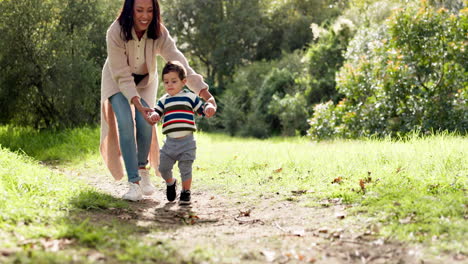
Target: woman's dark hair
[[126, 20], [174, 66]]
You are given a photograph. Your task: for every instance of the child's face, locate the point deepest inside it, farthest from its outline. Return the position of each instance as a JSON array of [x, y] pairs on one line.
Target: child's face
[[172, 83]]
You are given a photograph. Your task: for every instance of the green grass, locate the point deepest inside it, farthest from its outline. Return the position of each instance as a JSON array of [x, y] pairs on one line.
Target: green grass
[[40, 205], [415, 187], [74, 145]]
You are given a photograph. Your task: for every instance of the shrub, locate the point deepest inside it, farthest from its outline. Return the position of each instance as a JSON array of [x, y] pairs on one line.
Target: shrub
[[292, 113], [245, 105], [324, 58], [408, 74]]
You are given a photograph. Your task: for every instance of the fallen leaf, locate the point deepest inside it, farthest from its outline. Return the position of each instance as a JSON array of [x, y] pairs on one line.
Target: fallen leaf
[[337, 180], [299, 192], [51, 245], [194, 217], [323, 230], [299, 233], [95, 256], [198, 168], [340, 215], [336, 235], [124, 217], [7, 252], [54, 245], [406, 220], [378, 242], [459, 257], [362, 185], [336, 200], [269, 255], [245, 213]]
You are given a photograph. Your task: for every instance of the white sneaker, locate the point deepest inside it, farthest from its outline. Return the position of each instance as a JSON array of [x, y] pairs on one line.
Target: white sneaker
[[146, 187], [134, 192]]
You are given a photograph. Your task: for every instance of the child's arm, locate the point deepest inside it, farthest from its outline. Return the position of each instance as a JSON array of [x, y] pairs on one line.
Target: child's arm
[[158, 111]]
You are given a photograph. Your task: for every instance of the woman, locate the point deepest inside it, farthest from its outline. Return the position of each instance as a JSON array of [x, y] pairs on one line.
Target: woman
[[128, 92]]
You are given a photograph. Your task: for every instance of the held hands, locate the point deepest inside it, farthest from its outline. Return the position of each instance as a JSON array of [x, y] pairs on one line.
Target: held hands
[[210, 110], [210, 107], [154, 117], [145, 111]]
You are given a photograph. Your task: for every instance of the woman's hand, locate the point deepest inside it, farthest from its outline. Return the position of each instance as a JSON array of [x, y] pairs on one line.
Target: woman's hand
[[210, 110], [211, 106], [155, 117], [145, 111]]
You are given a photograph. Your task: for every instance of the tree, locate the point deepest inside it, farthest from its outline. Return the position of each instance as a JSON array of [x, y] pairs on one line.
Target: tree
[[324, 58], [51, 61], [220, 34], [287, 24]]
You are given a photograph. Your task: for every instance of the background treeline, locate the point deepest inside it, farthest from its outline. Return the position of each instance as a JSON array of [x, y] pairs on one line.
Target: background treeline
[[325, 68]]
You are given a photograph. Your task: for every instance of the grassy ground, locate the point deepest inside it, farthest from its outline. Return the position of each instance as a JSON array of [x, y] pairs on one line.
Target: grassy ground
[[415, 188], [42, 211]]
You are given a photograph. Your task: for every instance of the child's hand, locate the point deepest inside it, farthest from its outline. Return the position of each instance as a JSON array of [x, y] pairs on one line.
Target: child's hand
[[154, 117], [209, 110]]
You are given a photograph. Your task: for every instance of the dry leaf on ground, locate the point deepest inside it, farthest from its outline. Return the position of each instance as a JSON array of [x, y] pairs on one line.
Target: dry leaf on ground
[[269, 255], [337, 180]]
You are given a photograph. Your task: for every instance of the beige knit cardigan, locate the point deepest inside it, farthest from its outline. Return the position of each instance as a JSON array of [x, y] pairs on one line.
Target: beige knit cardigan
[[117, 77]]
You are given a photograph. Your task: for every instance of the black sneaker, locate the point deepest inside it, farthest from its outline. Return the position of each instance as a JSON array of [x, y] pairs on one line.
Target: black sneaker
[[185, 197], [171, 191]]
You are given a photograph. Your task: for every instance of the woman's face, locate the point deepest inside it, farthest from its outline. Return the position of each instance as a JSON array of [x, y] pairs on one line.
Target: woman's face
[[142, 14]]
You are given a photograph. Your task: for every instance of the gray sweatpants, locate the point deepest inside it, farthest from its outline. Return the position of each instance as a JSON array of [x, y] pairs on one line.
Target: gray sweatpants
[[181, 150]]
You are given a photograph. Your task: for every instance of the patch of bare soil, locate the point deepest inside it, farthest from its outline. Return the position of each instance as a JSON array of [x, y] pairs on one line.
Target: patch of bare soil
[[225, 229]]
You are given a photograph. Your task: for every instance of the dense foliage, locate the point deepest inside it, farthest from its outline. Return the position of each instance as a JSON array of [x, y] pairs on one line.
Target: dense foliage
[[407, 74], [331, 68], [51, 55]]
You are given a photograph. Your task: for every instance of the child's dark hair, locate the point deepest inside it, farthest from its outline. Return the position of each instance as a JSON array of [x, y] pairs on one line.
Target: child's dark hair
[[174, 66]]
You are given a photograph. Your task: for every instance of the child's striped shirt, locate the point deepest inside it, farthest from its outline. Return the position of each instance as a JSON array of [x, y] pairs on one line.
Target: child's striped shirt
[[178, 113]]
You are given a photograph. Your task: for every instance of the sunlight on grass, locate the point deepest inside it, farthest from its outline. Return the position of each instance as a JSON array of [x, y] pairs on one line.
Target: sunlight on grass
[[420, 182], [415, 186], [74, 145], [39, 205]]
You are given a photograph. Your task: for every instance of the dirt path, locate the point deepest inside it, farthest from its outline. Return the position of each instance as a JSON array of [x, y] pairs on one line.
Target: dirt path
[[263, 230]]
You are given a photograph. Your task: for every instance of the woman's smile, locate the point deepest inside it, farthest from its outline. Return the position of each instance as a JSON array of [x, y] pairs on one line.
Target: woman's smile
[[142, 14]]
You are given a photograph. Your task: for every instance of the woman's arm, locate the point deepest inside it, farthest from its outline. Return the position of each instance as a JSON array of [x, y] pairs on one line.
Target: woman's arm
[[145, 111], [118, 62], [167, 49], [206, 95]]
